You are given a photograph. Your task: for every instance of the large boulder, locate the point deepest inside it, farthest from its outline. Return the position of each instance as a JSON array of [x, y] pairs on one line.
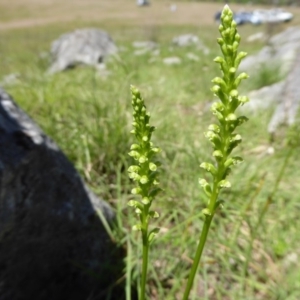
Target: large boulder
[[88, 46], [53, 244]]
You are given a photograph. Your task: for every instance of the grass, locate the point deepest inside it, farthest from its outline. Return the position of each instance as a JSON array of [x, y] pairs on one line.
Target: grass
[[89, 117]]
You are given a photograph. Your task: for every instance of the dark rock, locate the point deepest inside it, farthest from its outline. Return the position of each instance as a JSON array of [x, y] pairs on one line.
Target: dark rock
[[52, 242]]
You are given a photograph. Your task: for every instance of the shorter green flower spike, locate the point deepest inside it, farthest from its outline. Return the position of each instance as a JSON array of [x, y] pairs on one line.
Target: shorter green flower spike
[[144, 173], [143, 150]]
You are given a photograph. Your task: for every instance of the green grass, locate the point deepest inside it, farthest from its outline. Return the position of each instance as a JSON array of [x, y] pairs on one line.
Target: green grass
[[89, 117]]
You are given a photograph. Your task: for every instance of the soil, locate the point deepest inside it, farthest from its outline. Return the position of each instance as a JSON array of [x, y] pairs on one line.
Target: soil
[[30, 13]]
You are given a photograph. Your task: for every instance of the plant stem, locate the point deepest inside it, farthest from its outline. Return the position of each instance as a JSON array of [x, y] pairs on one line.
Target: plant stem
[[203, 236], [144, 264]]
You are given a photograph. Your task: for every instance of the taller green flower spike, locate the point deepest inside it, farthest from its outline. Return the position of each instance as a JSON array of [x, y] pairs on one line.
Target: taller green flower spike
[[144, 173], [222, 135]]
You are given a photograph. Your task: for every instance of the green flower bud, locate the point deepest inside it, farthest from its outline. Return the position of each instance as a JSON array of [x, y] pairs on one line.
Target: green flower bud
[[219, 60], [224, 184], [137, 227], [209, 168], [206, 212], [146, 200], [220, 41], [215, 89], [213, 127], [206, 187], [220, 82], [152, 167], [138, 211], [155, 150], [134, 147], [231, 117], [134, 154], [243, 100], [144, 179], [134, 169], [239, 58], [236, 138], [152, 234], [136, 191], [154, 214], [218, 153], [232, 70], [142, 159], [234, 93], [217, 106], [233, 161]]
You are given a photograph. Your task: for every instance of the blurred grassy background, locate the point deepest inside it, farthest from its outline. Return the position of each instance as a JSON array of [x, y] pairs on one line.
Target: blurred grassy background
[[89, 117]]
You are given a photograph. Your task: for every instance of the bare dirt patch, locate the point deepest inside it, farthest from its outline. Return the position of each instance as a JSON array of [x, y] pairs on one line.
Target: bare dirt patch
[[29, 13]]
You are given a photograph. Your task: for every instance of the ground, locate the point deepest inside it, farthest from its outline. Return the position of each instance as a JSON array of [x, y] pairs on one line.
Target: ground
[[29, 13]]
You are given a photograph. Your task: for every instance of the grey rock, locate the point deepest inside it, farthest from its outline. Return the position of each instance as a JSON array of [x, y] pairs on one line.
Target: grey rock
[[83, 46], [288, 105], [10, 79], [266, 97], [186, 40], [259, 36], [284, 96], [150, 45], [281, 51], [144, 47], [189, 39], [192, 56], [53, 244], [173, 60]]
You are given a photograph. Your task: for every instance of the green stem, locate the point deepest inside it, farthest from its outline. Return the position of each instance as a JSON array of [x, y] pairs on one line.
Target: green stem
[[144, 264], [197, 258]]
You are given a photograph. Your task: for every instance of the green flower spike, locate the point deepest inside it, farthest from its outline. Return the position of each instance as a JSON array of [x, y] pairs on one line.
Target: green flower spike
[[222, 135], [144, 173]]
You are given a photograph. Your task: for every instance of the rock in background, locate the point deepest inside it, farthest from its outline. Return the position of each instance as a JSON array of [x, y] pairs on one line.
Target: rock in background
[[281, 51], [52, 242], [83, 46], [187, 40], [284, 52]]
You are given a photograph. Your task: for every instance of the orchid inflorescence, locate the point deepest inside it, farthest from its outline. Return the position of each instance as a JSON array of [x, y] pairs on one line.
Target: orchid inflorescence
[[222, 135], [144, 172]]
